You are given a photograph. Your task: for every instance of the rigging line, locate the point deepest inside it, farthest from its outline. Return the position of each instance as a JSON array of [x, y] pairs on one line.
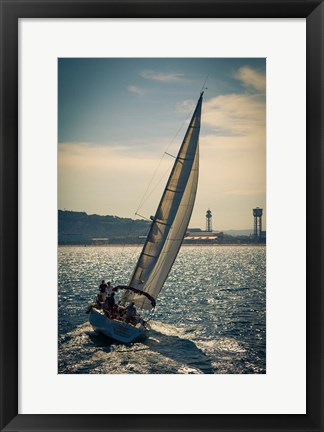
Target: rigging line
[[178, 131], [203, 86], [169, 154], [144, 217], [127, 236], [144, 199], [156, 185], [129, 232], [149, 185]]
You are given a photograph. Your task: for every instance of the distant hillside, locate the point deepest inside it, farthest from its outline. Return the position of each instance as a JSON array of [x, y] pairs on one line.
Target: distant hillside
[[81, 228]]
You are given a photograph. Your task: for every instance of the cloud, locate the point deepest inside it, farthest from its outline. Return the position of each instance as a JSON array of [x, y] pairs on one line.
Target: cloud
[[134, 148], [161, 76], [137, 90], [185, 107], [251, 78], [235, 114]]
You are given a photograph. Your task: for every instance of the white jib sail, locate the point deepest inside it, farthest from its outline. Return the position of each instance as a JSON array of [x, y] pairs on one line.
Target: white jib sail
[[171, 219]]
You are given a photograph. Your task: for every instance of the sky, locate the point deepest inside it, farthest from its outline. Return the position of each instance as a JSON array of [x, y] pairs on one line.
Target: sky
[[117, 119]]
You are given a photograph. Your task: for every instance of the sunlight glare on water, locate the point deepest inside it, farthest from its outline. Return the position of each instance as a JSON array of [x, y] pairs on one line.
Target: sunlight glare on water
[[210, 316]]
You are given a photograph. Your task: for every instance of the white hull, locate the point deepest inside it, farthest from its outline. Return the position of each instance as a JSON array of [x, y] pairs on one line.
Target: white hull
[[115, 329]]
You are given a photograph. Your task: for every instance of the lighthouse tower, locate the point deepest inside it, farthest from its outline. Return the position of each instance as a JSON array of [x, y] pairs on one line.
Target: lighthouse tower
[[209, 219]]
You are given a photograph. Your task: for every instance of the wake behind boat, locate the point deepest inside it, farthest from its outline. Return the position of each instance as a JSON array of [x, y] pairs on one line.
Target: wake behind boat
[[168, 228]]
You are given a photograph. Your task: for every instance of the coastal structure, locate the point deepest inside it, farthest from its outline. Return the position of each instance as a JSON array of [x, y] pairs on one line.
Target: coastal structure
[[257, 214], [209, 221], [100, 241], [198, 236], [258, 234]]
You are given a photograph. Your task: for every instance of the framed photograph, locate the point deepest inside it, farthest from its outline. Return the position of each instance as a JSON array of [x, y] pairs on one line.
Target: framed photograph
[[161, 235], [102, 175]]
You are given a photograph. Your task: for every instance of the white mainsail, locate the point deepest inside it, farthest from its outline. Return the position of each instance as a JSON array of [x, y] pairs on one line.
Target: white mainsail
[[171, 219]]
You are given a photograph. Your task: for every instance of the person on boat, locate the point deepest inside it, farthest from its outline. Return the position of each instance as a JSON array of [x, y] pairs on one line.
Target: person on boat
[[104, 307], [130, 312], [111, 301], [102, 291], [109, 288]]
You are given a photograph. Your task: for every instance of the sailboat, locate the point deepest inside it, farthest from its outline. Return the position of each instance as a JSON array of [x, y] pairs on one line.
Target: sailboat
[[166, 234]]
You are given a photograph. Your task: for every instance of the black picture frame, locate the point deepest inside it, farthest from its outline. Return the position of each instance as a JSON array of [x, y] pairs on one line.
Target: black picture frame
[[11, 12]]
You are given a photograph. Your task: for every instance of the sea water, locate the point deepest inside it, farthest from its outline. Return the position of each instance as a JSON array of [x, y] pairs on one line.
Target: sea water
[[210, 317]]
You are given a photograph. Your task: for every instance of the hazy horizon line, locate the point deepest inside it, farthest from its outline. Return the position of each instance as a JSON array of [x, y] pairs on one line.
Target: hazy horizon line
[[144, 219]]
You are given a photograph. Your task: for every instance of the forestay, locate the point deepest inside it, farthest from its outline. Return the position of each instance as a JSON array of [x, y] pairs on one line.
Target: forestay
[[171, 219]]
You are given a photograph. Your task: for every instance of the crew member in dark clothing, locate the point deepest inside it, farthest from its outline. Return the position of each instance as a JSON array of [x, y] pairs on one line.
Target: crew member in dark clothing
[[102, 291], [111, 300], [131, 313]]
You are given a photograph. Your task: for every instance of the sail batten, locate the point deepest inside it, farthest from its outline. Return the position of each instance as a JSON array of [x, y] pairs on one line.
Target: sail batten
[[171, 220]]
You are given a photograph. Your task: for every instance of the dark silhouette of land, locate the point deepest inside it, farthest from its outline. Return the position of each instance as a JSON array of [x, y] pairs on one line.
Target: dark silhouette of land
[[79, 228]]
